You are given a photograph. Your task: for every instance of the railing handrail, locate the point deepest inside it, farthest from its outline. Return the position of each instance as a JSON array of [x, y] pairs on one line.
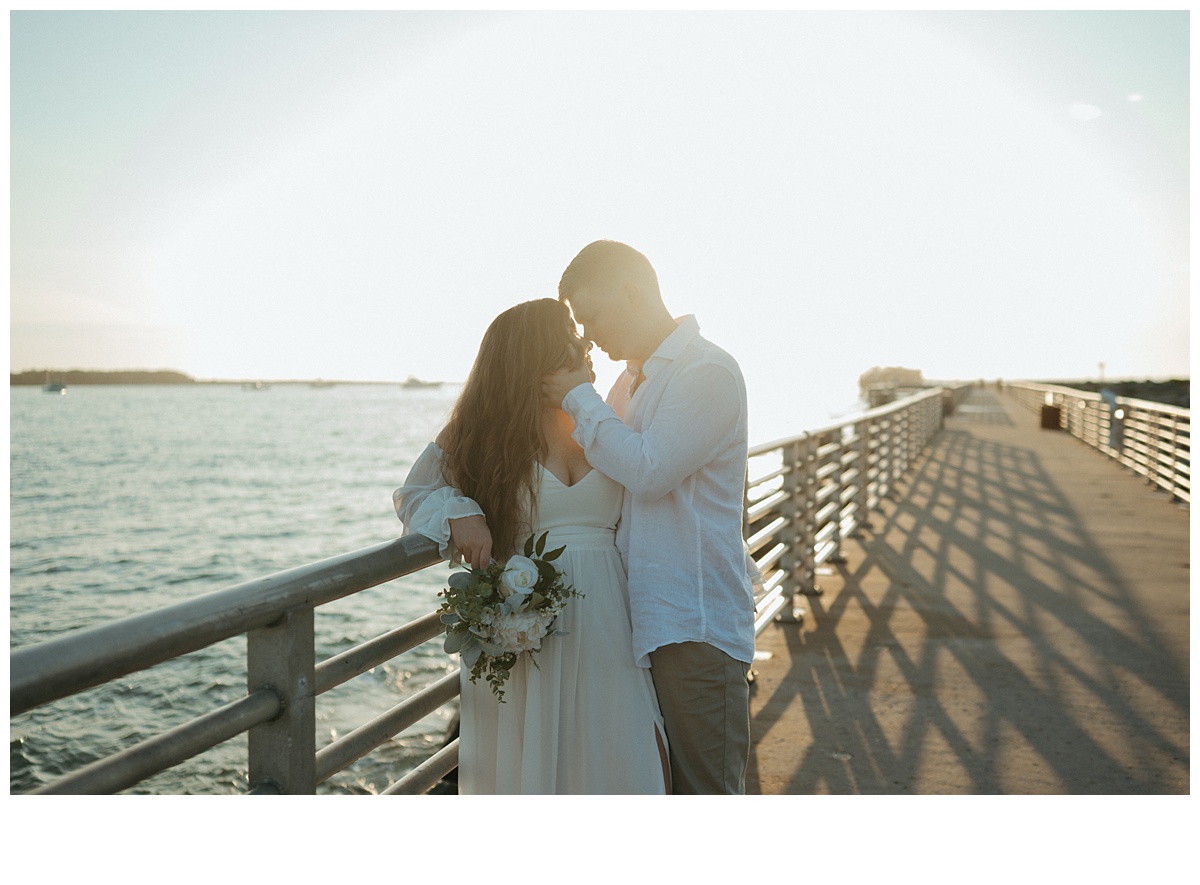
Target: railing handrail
[[828, 479], [1144, 405], [867, 415], [82, 659], [1152, 439]]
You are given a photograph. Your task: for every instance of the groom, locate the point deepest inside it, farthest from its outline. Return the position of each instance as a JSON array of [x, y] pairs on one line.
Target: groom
[[673, 432]]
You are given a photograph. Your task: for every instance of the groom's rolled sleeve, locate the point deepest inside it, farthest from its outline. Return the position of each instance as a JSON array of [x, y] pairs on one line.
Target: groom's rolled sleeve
[[691, 423]]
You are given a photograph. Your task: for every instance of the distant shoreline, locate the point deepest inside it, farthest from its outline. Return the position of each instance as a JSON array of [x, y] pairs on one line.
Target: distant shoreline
[[1173, 392], [81, 377], [38, 377]]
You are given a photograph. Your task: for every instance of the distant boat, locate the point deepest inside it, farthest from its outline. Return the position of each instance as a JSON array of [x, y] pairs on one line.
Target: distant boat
[[415, 382], [256, 385], [54, 387], [324, 385]]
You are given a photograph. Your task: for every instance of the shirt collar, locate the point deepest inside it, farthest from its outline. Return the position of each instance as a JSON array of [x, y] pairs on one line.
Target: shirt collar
[[687, 329]]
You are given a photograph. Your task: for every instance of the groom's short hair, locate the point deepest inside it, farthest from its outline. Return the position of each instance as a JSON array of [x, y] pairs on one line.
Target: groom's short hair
[[608, 261]]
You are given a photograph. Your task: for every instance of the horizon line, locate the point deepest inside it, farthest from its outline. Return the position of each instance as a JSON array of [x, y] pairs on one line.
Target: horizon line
[[228, 380], [1090, 379]]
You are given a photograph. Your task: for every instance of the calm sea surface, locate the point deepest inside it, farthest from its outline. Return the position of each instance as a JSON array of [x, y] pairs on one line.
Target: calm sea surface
[[125, 499], [128, 498]]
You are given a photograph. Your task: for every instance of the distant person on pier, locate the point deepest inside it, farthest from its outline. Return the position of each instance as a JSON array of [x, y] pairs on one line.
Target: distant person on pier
[[673, 432]]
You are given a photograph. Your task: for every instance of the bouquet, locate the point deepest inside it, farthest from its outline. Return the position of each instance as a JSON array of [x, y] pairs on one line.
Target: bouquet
[[496, 614]]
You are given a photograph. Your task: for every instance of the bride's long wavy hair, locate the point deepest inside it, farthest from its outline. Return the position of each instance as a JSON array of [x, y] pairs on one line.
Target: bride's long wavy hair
[[494, 434]]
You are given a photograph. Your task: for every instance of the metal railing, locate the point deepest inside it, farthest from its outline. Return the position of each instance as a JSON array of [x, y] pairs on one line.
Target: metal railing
[[1153, 440], [808, 493], [283, 678], [796, 517]]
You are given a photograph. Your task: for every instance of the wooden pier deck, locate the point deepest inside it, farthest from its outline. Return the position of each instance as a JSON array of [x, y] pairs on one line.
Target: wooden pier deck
[[1014, 621]]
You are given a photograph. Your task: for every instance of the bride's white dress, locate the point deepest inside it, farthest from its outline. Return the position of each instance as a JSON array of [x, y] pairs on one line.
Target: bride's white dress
[[585, 719]]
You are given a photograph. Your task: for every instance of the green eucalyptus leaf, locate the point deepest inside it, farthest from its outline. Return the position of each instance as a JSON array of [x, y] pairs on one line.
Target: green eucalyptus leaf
[[454, 640], [529, 546], [471, 655], [554, 554], [489, 649]]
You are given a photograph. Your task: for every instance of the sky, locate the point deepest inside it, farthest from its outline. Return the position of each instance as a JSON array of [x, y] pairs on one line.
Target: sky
[[355, 196]]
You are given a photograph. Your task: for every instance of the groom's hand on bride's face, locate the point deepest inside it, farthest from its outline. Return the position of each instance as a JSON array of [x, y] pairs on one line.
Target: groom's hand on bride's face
[[562, 382]]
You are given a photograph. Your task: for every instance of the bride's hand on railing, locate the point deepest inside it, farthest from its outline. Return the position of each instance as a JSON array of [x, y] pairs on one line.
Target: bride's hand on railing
[[473, 540]]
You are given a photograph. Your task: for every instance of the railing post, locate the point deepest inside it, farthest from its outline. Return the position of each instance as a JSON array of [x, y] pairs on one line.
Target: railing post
[[790, 534], [1176, 485], [283, 751], [922, 419], [886, 442], [864, 474], [792, 507], [893, 421], [808, 516], [839, 490]]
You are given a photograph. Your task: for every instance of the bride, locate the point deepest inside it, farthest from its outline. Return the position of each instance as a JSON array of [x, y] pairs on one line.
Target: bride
[[585, 718]]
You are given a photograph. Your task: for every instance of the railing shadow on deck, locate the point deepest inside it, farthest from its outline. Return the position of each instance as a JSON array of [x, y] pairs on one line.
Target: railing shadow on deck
[[981, 570]]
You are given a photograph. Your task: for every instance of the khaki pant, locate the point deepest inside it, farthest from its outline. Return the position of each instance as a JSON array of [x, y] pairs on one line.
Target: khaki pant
[[704, 695]]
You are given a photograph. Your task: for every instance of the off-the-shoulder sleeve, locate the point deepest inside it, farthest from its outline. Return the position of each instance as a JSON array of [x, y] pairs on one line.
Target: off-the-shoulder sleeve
[[427, 502]]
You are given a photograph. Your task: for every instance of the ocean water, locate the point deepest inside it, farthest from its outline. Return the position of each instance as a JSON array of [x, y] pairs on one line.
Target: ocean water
[[126, 499]]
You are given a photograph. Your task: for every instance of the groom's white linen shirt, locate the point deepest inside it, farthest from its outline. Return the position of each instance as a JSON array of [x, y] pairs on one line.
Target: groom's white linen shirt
[[678, 446]]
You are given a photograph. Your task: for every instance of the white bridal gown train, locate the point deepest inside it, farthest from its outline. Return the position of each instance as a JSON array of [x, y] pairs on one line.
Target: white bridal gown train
[[585, 719]]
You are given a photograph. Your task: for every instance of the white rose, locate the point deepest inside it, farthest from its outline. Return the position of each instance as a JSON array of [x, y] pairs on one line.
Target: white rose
[[519, 577]]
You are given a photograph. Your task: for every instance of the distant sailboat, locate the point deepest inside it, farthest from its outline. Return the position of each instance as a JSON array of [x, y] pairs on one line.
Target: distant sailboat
[[415, 382], [54, 387], [256, 385]]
